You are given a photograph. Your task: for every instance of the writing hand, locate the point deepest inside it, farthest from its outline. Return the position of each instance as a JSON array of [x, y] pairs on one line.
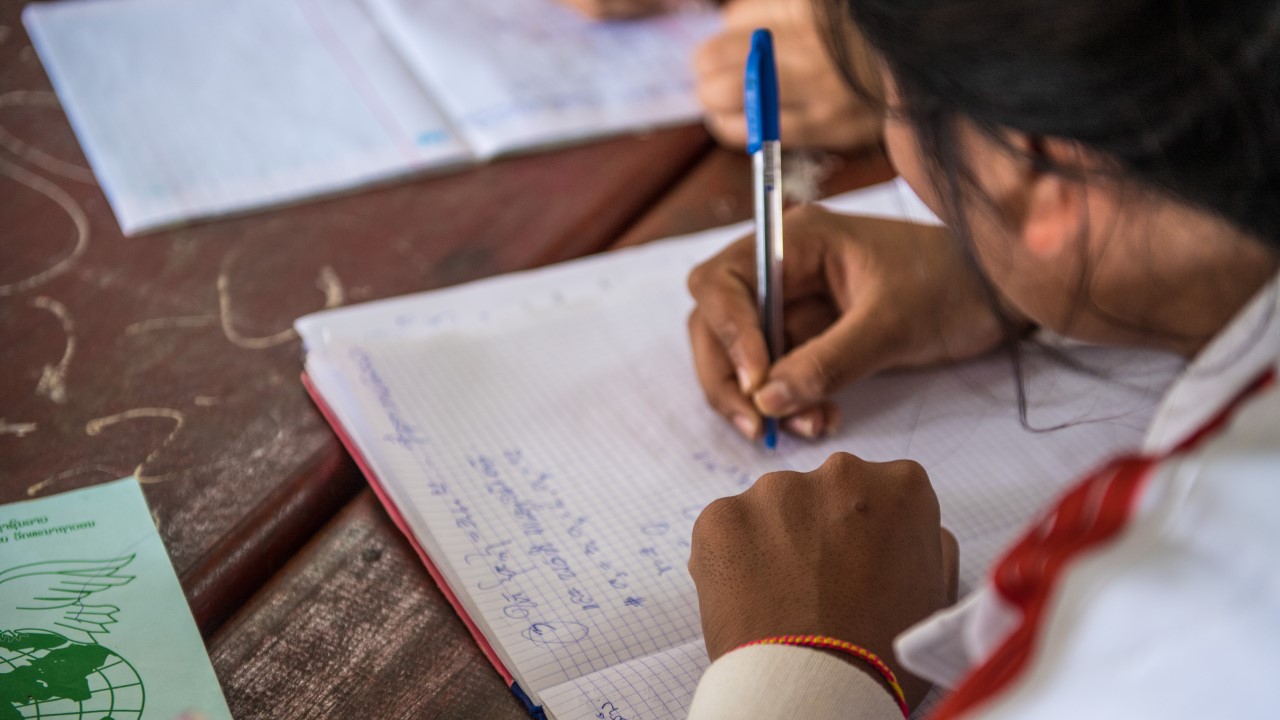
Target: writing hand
[[618, 9], [853, 550], [860, 295], [816, 108]]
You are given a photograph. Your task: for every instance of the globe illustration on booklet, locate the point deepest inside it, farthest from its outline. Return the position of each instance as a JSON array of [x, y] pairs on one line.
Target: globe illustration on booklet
[[44, 673]]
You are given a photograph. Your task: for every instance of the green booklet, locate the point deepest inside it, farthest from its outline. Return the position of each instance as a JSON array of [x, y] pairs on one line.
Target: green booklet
[[93, 623]]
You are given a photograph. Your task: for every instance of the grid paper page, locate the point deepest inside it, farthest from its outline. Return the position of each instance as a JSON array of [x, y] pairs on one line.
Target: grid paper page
[[553, 461], [655, 686], [202, 107], [516, 73]]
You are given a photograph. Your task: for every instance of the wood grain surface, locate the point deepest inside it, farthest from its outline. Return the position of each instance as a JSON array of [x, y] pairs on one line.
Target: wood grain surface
[[353, 627], [718, 191], [172, 356]]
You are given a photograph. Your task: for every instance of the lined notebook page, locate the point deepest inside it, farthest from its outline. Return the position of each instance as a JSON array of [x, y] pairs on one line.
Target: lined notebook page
[[553, 462], [203, 107], [547, 73]]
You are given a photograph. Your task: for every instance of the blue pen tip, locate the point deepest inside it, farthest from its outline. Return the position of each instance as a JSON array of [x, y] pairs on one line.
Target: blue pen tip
[[771, 433]]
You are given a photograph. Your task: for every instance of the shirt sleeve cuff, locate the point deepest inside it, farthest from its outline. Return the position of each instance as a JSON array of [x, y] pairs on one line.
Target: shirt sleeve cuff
[[765, 682]]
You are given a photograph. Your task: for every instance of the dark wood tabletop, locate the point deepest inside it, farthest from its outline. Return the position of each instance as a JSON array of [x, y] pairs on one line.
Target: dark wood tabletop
[[171, 356]]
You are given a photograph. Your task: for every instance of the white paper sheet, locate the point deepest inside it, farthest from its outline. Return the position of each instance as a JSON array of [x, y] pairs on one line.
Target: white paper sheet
[[547, 74], [202, 107]]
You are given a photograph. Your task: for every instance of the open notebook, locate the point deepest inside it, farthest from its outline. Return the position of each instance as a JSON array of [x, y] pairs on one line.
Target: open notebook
[[542, 440], [193, 108]]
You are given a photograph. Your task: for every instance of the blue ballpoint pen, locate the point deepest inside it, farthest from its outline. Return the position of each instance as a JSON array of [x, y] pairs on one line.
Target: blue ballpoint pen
[[761, 100]]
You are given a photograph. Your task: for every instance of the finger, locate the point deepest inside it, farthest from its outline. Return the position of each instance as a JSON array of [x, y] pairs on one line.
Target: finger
[[807, 317], [721, 91], [719, 380], [730, 128], [951, 564], [829, 125], [808, 374], [767, 13], [624, 9], [724, 290], [815, 422], [586, 7], [594, 9], [723, 53]]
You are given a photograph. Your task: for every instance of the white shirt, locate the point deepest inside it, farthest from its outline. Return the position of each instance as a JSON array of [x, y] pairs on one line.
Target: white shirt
[[1175, 614]]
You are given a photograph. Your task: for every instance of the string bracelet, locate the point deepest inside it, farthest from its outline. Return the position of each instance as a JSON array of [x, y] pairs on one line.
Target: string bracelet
[[828, 643]]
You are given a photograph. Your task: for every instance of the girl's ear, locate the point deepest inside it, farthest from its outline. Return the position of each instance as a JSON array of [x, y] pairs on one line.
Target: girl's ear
[[1053, 214]]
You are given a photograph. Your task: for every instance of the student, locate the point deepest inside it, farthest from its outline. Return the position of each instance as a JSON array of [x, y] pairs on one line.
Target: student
[[1111, 169], [819, 110]]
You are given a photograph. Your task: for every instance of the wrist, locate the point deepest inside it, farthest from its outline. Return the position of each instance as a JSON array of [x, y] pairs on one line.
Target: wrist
[[862, 666]]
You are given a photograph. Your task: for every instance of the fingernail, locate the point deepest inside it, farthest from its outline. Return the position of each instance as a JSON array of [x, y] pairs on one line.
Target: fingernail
[[805, 426], [746, 425], [744, 379], [774, 399]]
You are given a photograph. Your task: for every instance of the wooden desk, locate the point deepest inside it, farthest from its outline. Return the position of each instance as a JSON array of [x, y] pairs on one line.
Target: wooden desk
[[355, 622], [172, 355]]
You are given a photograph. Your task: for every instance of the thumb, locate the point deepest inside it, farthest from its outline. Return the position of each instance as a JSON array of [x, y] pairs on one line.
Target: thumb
[[807, 375]]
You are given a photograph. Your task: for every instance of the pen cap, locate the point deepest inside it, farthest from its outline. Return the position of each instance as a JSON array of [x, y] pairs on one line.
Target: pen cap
[[761, 97]]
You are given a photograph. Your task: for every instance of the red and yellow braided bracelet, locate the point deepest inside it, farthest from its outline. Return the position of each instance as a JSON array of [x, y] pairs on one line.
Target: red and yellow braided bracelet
[[828, 643]]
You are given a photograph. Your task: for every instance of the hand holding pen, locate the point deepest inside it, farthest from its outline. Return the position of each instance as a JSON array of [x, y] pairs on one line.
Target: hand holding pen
[[861, 295]]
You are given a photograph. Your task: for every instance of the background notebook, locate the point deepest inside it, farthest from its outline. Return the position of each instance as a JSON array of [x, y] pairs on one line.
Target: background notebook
[[542, 440], [193, 108]]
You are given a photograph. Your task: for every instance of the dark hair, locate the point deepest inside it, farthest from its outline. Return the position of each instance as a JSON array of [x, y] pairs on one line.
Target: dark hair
[[1182, 96]]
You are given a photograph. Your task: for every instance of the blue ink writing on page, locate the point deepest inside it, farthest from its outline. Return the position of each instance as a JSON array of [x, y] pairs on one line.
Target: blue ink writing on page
[[659, 562], [610, 711], [731, 471], [502, 575], [582, 599], [464, 521], [554, 560], [556, 632], [498, 559], [403, 434], [518, 605]]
